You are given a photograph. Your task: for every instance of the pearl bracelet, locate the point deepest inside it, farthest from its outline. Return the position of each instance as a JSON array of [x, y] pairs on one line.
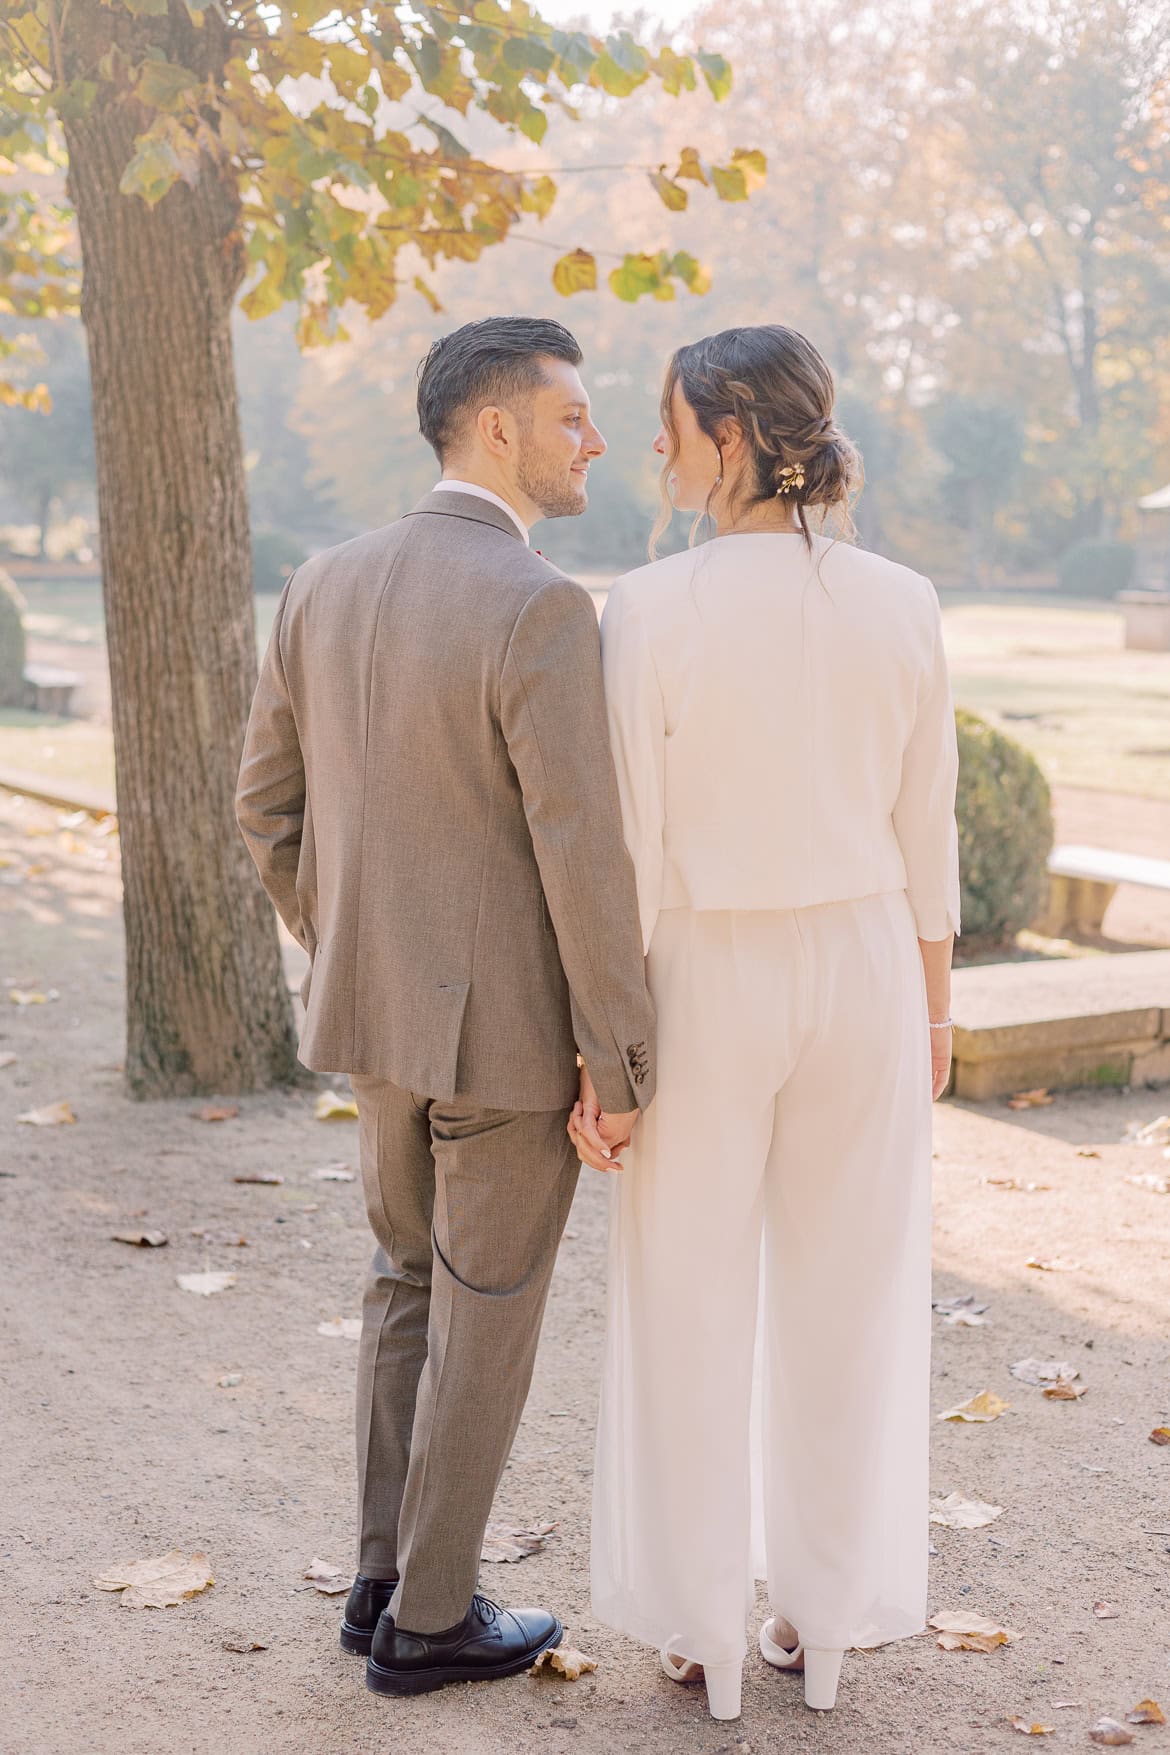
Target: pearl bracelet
[[943, 1024]]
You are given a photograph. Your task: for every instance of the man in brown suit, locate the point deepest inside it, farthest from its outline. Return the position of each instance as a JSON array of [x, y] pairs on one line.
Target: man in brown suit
[[428, 793]]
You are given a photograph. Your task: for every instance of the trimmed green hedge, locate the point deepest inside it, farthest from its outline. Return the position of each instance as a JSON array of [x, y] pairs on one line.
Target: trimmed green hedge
[[12, 644], [1005, 831], [1097, 569]]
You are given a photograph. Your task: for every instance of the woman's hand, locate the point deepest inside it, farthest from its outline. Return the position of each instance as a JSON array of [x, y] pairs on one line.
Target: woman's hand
[[940, 1061], [598, 1137]]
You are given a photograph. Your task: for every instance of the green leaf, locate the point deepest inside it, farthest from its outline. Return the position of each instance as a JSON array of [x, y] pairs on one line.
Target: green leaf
[[730, 182], [753, 164], [537, 197], [717, 73], [669, 193], [574, 273], [534, 123], [574, 50], [638, 274], [263, 299], [618, 81], [627, 53], [76, 99], [691, 272], [428, 293], [528, 55], [153, 170], [677, 72], [164, 84], [690, 165]]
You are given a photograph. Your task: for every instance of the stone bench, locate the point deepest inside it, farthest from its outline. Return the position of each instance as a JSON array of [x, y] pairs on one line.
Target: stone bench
[[1081, 882], [50, 690], [1101, 1020]]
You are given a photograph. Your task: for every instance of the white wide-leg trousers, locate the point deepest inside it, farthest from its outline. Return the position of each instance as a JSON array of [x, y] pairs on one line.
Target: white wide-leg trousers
[[790, 1133]]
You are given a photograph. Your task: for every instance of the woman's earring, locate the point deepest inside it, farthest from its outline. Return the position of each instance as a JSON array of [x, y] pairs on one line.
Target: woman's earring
[[718, 481]]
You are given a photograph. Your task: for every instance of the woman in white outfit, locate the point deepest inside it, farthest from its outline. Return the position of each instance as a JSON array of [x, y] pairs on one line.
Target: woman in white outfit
[[784, 738]]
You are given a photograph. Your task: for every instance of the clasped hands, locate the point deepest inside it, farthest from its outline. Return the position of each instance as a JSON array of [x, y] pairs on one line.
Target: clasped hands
[[600, 1138]]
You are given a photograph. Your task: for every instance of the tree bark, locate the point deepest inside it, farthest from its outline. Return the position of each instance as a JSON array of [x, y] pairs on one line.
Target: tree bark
[[207, 1004]]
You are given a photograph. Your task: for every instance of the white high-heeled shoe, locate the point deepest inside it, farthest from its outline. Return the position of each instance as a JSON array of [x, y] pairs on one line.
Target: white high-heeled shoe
[[822, 1669], [724, 1682]]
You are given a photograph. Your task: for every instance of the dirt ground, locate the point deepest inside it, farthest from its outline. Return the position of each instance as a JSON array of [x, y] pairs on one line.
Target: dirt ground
[[119, 1441]]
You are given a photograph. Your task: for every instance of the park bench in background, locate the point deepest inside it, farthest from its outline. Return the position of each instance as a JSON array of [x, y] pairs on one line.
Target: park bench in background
[[1081, 882], [1074, 1021], [50, 690]]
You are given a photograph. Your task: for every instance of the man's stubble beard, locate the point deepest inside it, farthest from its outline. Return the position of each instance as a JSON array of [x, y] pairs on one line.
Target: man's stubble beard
[[556, 497]]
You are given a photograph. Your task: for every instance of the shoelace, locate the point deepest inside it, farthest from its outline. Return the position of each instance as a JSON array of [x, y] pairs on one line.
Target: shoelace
[[484, 1608]]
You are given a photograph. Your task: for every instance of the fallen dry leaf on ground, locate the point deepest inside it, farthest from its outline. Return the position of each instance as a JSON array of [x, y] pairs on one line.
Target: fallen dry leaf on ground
[[160, 1583], [346, 1328], [32, 996], [1030, 1729], [1013, 1182], [270, 1178], [206, 1283], [1110, 1733], [331, 1107], [1151, 1180], [53, 1115], [230, 1380], [958, 1513], [1146, 1712], [566, 1660], [981, 1408], [227, 1239], [1160, 1435], [1151, 1133], [1106, 1612], [329, 1580], [1041, 1372], [963, 1312], [1056, 1264], [1031, 1100], [503, 1544], [7, 1059], [958, 1630], [240, 1643], [1064, 1391], [333, 1173], [143, 1239], [1087, 1152], [211, 1113]]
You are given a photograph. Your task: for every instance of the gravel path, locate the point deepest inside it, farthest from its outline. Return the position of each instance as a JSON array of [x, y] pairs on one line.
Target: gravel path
[[120, 1442]]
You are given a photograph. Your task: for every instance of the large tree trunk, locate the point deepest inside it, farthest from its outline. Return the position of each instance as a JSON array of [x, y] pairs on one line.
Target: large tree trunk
[[208, 1008]]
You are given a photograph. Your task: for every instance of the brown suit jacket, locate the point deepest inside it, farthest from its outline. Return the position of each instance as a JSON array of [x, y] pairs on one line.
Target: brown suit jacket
[[429, 796]]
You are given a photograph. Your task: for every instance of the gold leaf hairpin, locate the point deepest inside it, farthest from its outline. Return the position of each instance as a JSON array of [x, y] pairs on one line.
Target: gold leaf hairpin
[[792, 477]]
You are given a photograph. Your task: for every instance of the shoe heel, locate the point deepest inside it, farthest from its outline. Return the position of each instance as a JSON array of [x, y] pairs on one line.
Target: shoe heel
[[355, 1640], [724, 1688], [822, 1671]]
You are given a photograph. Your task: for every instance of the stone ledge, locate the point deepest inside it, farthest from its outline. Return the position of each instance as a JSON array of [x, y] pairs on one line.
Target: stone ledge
[[1062, 1024]]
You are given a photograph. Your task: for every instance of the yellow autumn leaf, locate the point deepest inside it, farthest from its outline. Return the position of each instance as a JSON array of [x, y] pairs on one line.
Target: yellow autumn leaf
[[1030, 1728], [574, 273], [53, 1115], [566, 1660], [1146, 1712], [331, 1107], [981, 1408], [160, 1583], [959, 1630]]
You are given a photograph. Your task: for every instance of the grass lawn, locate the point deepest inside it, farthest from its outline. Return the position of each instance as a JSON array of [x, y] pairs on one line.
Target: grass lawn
[[1055, 675]]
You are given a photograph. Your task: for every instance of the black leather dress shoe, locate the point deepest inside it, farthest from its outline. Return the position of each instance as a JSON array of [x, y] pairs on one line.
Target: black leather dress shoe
[[488, 1643], [363, 1606]]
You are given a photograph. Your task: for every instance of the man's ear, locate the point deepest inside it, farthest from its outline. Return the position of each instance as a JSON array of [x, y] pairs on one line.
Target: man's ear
[[494, 427]]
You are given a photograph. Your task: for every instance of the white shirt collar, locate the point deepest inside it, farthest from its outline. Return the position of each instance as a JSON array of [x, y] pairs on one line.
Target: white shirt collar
[[447, 485]]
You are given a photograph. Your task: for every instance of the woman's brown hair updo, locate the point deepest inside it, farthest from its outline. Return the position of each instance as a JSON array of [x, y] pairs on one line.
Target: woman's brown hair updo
[[774, 384]]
